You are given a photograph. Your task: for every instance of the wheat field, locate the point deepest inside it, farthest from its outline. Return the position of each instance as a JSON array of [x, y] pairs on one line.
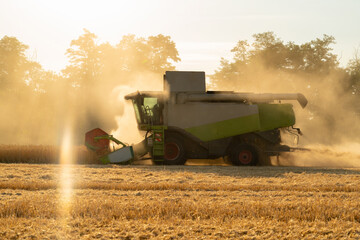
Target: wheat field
[[178, 202], [43, 154]]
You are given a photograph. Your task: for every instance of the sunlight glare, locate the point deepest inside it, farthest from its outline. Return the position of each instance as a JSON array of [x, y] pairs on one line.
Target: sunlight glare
[[66, 181]]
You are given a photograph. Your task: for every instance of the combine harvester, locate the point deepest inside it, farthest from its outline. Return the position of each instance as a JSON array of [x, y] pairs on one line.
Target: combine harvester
[[187, 122]]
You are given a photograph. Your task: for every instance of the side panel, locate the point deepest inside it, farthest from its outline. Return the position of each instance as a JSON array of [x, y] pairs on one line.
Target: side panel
[[227, 128], [180, 81], [195, 114], [274, 116], [210, 120]]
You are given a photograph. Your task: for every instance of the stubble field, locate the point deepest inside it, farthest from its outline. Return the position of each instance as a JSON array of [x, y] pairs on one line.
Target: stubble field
[[178, 202]]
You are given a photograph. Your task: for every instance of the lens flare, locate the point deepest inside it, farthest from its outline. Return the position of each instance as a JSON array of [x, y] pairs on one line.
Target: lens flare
[[66, 180]]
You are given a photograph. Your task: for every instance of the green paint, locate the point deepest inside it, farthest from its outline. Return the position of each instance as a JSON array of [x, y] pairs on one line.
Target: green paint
[[91, 147], [132, 152], [226, 128], [148, 127], [158, 146], [274, 116], [271, 116], [105, 159]]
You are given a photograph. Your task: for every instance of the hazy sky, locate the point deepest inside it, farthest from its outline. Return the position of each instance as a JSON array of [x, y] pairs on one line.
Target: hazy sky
[[203, 30]]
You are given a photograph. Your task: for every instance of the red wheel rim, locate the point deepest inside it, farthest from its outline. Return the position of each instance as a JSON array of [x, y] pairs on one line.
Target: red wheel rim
[[245, 157], [172, 151]]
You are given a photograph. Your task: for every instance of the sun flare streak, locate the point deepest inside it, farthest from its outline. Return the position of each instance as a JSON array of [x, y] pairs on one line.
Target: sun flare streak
[[66, 180]]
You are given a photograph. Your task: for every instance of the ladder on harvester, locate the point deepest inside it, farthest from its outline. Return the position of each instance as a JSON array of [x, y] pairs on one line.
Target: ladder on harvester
[[158, 137], [158, 142]]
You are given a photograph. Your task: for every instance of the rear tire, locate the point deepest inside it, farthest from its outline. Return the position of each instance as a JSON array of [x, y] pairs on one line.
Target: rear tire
[[244, 155]]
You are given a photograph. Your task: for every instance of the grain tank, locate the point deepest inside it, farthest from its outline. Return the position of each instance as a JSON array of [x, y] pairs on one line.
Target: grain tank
[[184, 121]]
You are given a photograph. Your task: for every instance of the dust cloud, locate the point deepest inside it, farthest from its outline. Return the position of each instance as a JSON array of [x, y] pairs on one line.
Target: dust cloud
[[329, 123], [127, 128], [35, 114], [344, 155], [39, 118], [35, 103]]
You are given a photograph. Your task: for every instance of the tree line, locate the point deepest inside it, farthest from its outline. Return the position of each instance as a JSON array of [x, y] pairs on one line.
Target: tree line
[[312, 60], [32, 97]]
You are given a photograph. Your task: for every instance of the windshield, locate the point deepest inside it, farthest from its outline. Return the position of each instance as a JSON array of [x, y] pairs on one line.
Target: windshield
[[148, 110], [150, 101]]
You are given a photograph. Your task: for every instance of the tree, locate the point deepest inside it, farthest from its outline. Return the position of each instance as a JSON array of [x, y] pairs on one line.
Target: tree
[[161, 52], [84, 58], [94, 64], [268, 55], [317, 56], [269, 50], [96, 69], [353, 69], [14, 65], [154, 54]]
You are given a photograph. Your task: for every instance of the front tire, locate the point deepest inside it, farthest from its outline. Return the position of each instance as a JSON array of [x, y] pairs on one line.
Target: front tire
[[174, 150], [244, 155]]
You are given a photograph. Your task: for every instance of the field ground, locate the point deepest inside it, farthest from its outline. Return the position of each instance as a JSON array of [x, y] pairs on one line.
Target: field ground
[[178, 202]]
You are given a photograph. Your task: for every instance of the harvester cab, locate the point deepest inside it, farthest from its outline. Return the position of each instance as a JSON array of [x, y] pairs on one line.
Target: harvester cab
[[184, 121], [148, 107]]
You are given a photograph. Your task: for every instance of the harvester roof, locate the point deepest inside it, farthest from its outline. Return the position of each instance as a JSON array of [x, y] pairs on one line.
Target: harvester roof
[[157, 94], [222, 96]]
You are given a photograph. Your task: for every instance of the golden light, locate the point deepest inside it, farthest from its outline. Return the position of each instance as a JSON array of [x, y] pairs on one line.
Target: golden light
[[66, 180]]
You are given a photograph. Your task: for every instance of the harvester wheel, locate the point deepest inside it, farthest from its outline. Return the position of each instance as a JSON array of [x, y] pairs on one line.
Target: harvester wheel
[[244, 155], [174, 150]]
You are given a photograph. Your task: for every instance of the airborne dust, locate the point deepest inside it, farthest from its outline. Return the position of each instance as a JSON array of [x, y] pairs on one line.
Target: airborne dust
[[329, 123], [330, 132]]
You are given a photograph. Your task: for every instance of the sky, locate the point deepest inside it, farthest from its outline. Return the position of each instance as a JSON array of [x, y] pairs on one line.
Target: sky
[[204, 30]]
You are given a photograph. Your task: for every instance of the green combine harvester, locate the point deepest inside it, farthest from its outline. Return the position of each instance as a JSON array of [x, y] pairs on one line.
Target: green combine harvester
[[187, 122]]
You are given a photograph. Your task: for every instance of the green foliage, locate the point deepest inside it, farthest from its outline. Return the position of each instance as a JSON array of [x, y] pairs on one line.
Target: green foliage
[[14, 66], [84, 57], [92, 63], [269, 53], [354, 72], [317, 56]]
